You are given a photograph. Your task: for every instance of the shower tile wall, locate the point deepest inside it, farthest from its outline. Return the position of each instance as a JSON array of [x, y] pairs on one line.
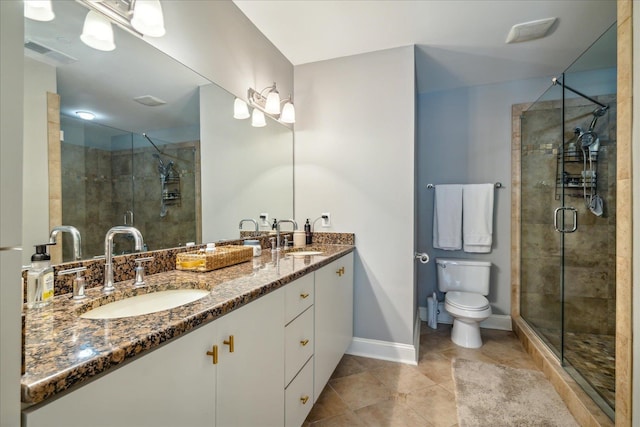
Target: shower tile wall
[[86, 196], [99, 186], [590, 252]]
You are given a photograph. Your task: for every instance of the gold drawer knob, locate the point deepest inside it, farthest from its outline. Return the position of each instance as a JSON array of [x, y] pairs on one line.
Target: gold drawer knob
[[304, 296], [340, 271], [304, 342], [214, 354], [304, 399], [229, 342]]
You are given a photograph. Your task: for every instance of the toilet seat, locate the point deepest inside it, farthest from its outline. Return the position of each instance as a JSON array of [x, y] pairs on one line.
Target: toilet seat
[[466, 301]]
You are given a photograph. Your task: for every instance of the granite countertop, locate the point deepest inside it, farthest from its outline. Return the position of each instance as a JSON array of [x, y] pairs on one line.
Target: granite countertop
[[63, 350]]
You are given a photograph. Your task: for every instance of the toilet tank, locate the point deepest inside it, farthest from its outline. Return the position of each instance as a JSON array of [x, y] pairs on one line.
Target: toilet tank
[[463, 275]]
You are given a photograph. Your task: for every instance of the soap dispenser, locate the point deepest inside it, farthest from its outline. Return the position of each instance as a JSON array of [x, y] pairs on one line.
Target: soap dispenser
[[307, 232], [40, 279]]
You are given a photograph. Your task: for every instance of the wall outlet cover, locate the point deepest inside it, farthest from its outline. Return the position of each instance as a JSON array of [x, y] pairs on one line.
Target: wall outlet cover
[[326, 219]]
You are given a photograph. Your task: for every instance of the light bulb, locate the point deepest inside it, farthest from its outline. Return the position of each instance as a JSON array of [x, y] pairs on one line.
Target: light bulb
[[97, 32], [257, 119], [39, 10], [148, 18], [288, 113], [273, 102], [240, 109]]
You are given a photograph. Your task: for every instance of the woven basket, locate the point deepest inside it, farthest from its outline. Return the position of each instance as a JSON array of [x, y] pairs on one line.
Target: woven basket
[[223, 256]]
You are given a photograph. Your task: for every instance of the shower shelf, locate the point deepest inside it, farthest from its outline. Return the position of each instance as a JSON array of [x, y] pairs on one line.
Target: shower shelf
[[570, 178], [171, 191]]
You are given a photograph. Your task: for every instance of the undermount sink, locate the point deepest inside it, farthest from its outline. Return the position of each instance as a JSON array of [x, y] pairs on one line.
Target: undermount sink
[[304, 253], [145, 303]]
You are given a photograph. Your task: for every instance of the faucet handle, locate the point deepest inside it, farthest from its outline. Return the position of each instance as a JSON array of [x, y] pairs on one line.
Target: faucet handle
[[140, 270], [272, 240], [78, 282]]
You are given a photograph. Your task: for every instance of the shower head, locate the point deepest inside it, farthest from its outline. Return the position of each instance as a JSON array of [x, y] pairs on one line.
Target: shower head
[[598, 112]]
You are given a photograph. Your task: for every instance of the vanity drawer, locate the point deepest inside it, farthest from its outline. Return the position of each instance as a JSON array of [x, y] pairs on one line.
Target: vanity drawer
[[298, 397], [298, 297], [298, 341]]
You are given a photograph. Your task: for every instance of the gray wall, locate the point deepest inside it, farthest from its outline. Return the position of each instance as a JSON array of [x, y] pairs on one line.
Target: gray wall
[[218, 41], [11, 80], [464, 136], [354, 157]]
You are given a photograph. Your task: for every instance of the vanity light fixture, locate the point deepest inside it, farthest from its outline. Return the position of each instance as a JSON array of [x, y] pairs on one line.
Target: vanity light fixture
[[139, 17], [39, 10], [268, 101], [86, 115]]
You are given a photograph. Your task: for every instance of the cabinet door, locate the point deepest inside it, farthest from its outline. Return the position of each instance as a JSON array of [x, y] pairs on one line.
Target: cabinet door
[[333, 317], [250, 388], [171, 386]]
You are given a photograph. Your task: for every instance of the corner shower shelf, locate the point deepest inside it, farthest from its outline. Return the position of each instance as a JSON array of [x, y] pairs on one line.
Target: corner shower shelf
[[171, 191], [570, 179]]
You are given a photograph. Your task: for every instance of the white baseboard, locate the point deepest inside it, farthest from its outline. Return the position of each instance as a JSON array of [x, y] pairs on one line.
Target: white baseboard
[[495, 321], [385, 350]]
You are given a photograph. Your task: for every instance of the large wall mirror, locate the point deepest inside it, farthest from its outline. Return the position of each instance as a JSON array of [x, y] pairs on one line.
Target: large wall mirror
[[173, 163]]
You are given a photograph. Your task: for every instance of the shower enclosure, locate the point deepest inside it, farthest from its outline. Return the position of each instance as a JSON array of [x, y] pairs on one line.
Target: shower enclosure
[[115, 177], [568, 220]]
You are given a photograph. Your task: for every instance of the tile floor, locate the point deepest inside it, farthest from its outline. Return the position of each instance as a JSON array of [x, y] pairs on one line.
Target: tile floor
[[371, 392]]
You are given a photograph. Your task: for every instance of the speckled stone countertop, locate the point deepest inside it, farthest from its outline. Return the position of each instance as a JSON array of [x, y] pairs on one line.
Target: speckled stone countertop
[[63, 350]]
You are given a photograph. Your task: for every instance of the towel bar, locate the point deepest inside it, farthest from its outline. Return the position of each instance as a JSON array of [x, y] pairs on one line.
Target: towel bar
[[497, 185]]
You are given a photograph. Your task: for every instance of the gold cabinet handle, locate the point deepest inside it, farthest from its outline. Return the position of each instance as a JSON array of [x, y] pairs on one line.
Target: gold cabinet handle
[[214, 354], [340, 271], [304, 342], [229, 342], [304, 399], [304, 296]]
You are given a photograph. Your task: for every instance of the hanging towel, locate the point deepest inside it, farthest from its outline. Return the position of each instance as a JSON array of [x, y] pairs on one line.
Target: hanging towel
[[447, 217], [477, 218]]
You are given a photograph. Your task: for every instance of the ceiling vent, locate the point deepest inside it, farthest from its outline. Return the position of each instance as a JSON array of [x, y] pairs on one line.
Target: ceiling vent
[[149, 100], [530, 30], [50, 56]]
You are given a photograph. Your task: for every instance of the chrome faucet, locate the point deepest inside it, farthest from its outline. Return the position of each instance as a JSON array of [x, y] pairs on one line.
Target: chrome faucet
[[75, 234], [295, 227], [255, 223], [108, 251]]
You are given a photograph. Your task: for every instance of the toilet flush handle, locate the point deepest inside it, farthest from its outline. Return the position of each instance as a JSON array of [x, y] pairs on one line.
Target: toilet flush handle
[[423, 257]]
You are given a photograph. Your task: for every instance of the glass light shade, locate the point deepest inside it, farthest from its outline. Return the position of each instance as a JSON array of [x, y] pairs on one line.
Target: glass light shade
[[257, 119], [86, 115], [288, 113], [273, 103], [39, 10], [240, 109], [97, 32], [148, 18]]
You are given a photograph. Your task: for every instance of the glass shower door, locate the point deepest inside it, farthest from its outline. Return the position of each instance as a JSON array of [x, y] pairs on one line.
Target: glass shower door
[[541, 245]]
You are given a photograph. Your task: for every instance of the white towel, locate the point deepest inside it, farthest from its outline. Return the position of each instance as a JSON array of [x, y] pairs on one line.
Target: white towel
[[477, 218], [447, 217]]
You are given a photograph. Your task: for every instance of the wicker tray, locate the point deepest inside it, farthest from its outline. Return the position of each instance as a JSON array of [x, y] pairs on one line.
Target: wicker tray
[[223, 256]]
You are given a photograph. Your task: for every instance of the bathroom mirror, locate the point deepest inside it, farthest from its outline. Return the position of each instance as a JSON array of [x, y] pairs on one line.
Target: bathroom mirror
[[194, 175]]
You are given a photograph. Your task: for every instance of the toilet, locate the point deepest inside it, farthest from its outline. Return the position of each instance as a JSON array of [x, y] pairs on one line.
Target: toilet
[[465, 283]]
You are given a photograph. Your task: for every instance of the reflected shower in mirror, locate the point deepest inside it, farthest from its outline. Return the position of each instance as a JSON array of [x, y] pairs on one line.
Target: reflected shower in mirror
[[108, 170]]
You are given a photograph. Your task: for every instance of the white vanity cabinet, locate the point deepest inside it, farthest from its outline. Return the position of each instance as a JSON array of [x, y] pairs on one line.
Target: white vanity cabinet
[[333, 318], [179, 385], [174, 385], [273, 357], [251, 378]]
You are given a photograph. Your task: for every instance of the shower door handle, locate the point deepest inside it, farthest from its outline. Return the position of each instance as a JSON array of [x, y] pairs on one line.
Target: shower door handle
[[575, 219]]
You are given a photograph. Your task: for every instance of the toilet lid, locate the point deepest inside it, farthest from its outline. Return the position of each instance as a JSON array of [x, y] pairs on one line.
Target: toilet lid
[[467, 301]]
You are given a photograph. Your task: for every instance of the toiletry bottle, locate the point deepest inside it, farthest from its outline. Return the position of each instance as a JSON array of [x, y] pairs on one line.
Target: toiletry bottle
[[40, 279], [307, 232]]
